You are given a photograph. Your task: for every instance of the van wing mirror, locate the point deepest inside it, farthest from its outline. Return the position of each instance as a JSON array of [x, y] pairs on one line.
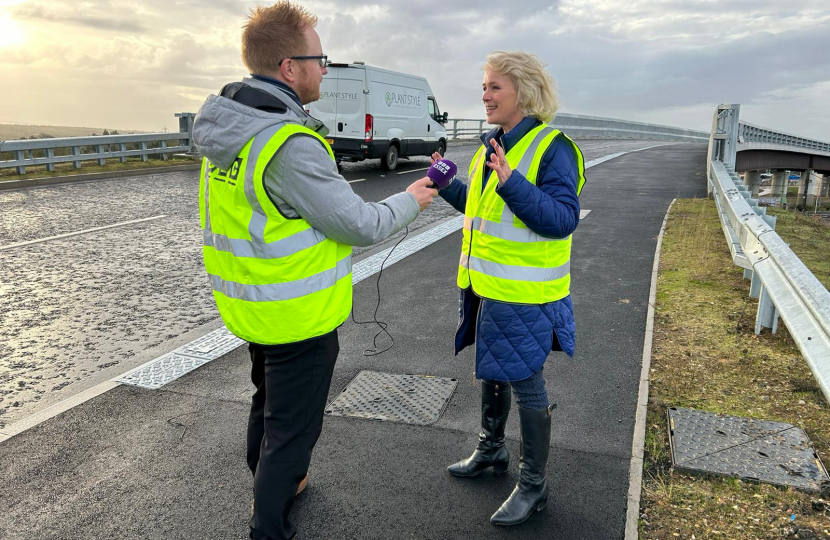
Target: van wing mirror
[[444, 118]]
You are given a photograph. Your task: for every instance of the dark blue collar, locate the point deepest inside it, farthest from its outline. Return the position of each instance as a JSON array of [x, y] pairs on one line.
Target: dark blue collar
[[279, 84], [508, 140]]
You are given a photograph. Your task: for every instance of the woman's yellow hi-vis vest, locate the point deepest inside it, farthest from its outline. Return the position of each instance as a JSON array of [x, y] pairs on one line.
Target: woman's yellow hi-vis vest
[[500, 257], [275, 280]]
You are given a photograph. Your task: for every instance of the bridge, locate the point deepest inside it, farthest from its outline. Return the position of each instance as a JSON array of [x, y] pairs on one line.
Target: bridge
[[130, 419], [753, 150]]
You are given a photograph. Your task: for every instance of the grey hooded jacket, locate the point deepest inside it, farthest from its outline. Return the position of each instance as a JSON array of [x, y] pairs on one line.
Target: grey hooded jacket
[[302, 180]]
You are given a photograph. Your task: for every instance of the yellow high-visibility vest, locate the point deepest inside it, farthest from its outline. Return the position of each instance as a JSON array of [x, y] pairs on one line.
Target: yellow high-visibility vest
[[500, 257], [275, 279]]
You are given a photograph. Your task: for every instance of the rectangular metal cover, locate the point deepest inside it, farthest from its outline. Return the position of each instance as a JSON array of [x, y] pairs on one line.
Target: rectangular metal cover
[[753, 450], [410, 399]]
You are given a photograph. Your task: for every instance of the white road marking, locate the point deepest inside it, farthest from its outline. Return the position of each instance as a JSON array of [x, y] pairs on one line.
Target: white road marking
[[583, 214], [413, 170], [358, 180], [30, 242]]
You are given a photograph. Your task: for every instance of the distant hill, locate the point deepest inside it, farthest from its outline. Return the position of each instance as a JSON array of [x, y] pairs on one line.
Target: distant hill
[[10, 132]]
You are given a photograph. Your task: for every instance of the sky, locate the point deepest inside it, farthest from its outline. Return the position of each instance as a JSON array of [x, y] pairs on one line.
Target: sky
[[132, 65]]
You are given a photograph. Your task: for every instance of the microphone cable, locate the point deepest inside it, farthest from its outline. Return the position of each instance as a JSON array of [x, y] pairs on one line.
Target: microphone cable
[[374, 351]]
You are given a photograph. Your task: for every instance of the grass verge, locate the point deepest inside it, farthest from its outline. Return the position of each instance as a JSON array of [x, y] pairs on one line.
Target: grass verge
[[706, 356], [88, 167]]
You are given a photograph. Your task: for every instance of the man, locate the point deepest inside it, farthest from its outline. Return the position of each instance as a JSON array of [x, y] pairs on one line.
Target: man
[[278, 224]]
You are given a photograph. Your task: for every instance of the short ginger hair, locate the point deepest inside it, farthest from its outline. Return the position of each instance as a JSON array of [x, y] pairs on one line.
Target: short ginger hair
[[273, 34]]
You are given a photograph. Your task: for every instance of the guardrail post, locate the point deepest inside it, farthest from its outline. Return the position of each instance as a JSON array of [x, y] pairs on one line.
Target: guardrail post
[[186, 126], [767, 316], [20, 156], [101, 161], [50, 153], [732, 123], [455, 129], [143, 146], [755, 285], [76, 151], [164, 155], [122, 148], [480, 127]]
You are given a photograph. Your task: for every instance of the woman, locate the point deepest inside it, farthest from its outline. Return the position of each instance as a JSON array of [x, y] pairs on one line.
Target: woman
[[521, 206]]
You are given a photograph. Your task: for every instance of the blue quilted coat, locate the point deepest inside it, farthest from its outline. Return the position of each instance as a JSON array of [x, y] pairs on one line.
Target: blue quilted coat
[[513, 340]]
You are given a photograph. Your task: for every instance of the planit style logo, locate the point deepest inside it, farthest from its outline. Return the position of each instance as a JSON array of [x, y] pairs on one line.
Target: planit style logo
[[389, 99]]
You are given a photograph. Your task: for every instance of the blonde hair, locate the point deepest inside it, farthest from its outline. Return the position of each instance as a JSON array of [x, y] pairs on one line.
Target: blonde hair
[[535, 87], [274, 33]]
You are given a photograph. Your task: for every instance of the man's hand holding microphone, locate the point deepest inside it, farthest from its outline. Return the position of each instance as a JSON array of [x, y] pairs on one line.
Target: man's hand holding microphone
[[439, 176]]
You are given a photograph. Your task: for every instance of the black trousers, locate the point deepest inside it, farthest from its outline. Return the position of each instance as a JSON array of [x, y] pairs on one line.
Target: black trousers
[[292, 384]]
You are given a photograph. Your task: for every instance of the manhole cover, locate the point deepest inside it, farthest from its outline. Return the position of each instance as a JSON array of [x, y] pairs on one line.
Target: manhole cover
[[754, 450], [411, 399]]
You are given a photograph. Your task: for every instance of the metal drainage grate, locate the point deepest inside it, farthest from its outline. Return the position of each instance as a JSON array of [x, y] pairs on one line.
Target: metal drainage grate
[[183, 360], [753, 450], [410, 399]]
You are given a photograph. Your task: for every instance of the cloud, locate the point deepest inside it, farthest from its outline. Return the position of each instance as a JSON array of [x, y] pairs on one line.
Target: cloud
[[84, 17], [661, 61]]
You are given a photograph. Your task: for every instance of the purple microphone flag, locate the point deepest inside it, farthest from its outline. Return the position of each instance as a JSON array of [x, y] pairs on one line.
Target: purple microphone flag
[[442, 172]]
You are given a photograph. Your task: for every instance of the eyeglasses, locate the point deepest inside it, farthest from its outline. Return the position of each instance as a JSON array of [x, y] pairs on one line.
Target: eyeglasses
[[322, 59]]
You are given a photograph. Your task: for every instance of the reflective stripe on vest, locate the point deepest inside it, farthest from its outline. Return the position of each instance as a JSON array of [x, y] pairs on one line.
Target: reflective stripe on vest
[[501, 258], [275, 280]]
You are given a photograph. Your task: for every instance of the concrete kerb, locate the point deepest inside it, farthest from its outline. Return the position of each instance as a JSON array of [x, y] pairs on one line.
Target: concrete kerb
[[635, 474], [91, 177]]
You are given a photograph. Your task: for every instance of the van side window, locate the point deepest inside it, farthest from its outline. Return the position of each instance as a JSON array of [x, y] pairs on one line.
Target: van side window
[[433, 109]]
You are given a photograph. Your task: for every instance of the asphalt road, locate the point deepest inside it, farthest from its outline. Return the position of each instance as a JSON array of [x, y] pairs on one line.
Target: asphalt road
[[83, 309], [134, 463]]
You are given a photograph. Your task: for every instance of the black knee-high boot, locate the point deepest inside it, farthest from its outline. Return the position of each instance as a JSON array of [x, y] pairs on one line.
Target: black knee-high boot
[[531, 492], [490, 452]]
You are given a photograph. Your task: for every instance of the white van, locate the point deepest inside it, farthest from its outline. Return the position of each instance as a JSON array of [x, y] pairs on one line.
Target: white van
[[376, 113]]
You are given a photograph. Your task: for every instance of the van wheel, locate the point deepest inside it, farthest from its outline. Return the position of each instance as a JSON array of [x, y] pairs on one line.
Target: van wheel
[[390, 160], [442, 148]]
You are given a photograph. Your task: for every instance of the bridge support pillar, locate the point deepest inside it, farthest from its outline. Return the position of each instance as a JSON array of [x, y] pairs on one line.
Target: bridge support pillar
[[779, 184], [752, 180], [821, 183], [805, 198]]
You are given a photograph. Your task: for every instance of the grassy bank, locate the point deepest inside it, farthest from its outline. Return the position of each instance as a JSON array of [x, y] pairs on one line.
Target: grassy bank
[[706, 356], [809, 237]]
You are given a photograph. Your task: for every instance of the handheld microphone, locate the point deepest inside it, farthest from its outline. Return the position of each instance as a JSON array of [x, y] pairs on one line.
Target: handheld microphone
[[441, 173]]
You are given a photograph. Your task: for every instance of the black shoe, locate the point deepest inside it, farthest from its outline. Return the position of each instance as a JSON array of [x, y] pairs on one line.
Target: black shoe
[[531, 492], [490, 452]]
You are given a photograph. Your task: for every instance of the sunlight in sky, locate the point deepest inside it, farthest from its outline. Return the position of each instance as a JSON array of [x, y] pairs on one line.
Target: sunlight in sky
[[11, 35]]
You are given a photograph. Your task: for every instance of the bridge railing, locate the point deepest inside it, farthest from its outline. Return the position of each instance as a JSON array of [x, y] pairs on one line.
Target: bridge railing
[[784, 286], [31, 152], [586, 127], [750, 133]]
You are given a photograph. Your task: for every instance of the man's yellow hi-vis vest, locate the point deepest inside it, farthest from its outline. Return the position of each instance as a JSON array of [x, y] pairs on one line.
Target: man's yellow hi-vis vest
[[275, 280], [500, 257]]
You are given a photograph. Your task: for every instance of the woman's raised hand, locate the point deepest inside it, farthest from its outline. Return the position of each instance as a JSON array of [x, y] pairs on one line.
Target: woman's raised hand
[[435, 157], [499, 163]]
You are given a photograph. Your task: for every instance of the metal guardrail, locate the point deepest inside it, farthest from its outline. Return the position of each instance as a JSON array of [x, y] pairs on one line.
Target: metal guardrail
[[588, 127], [784, 287], [31, 152]]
